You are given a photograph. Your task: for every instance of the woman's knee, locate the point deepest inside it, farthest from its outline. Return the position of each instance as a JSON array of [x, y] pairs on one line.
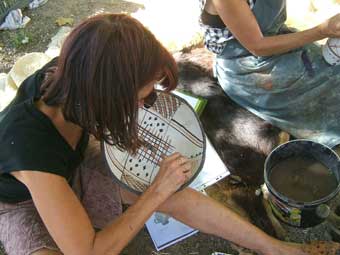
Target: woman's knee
[[179, 200], [128, 197]]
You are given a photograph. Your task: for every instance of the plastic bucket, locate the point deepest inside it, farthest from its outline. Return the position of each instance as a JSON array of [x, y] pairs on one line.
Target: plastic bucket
[[290, 211]]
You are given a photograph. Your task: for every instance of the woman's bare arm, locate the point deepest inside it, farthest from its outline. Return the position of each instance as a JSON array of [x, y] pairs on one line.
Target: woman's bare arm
[[242, 23], [69, 224]]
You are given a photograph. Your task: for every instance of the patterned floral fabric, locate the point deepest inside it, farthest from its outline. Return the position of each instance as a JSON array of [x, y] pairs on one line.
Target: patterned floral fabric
[[216, 38]]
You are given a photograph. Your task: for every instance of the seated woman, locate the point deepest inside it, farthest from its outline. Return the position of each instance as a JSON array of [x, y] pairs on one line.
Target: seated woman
[[55, 189], [275, 73]]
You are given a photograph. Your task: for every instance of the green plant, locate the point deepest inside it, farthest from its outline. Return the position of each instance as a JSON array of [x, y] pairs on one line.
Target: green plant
[[19, 38]]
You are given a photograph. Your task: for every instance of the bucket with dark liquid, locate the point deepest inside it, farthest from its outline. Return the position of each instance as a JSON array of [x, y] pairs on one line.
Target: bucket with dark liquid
[[302, 177]]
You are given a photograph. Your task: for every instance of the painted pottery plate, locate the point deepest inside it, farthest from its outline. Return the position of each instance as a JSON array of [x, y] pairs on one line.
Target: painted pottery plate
[[170, 125]]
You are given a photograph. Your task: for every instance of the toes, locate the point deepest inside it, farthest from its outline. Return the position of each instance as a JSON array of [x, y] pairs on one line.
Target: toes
[[322, 248]]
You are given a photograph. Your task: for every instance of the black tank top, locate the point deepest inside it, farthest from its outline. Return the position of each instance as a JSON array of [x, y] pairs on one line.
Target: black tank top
[[212, 20], [30, 141]]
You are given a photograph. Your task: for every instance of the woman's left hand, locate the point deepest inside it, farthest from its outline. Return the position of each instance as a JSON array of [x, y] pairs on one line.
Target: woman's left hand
[[331, 27]]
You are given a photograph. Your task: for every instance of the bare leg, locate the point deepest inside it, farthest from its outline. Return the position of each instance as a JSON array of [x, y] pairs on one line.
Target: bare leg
[[207, 215]]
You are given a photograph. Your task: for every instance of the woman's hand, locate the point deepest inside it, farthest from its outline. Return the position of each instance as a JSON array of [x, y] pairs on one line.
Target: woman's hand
[[331, 27], [174, 171]]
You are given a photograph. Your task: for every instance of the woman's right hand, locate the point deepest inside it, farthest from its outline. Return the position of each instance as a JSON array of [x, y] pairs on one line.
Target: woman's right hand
[[331, 27], [174, 171]]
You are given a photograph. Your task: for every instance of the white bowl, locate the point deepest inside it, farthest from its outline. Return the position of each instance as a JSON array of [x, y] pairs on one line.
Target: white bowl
[[169, 126]]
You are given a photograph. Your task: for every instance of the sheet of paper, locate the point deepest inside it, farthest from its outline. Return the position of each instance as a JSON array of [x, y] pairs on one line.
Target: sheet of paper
[[213, 169], [166, 231]]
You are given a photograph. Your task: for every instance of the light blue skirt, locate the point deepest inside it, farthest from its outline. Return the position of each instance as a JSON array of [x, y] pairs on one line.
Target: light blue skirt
[[297, 92]]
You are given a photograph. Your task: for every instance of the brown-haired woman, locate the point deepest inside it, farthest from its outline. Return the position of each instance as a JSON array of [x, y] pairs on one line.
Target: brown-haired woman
[[53, 198]]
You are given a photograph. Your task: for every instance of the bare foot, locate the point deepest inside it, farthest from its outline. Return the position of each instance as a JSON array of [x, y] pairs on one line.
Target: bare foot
[[321, 248], [313, 248]]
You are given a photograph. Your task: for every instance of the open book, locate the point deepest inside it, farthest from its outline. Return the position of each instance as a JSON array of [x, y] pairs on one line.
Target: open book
[[164, 230]]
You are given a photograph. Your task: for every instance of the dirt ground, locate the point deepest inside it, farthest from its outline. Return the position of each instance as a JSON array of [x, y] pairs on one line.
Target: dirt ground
[[43, 25], [39, 32]]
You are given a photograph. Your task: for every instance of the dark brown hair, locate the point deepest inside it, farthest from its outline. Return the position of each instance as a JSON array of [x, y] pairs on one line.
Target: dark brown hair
[[103, 64]]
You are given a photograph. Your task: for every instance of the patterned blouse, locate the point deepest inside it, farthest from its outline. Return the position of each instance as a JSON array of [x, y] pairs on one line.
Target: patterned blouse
[[215, 39]]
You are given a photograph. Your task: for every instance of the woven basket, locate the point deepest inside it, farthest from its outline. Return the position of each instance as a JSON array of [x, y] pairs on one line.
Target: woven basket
[[8, 5]]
